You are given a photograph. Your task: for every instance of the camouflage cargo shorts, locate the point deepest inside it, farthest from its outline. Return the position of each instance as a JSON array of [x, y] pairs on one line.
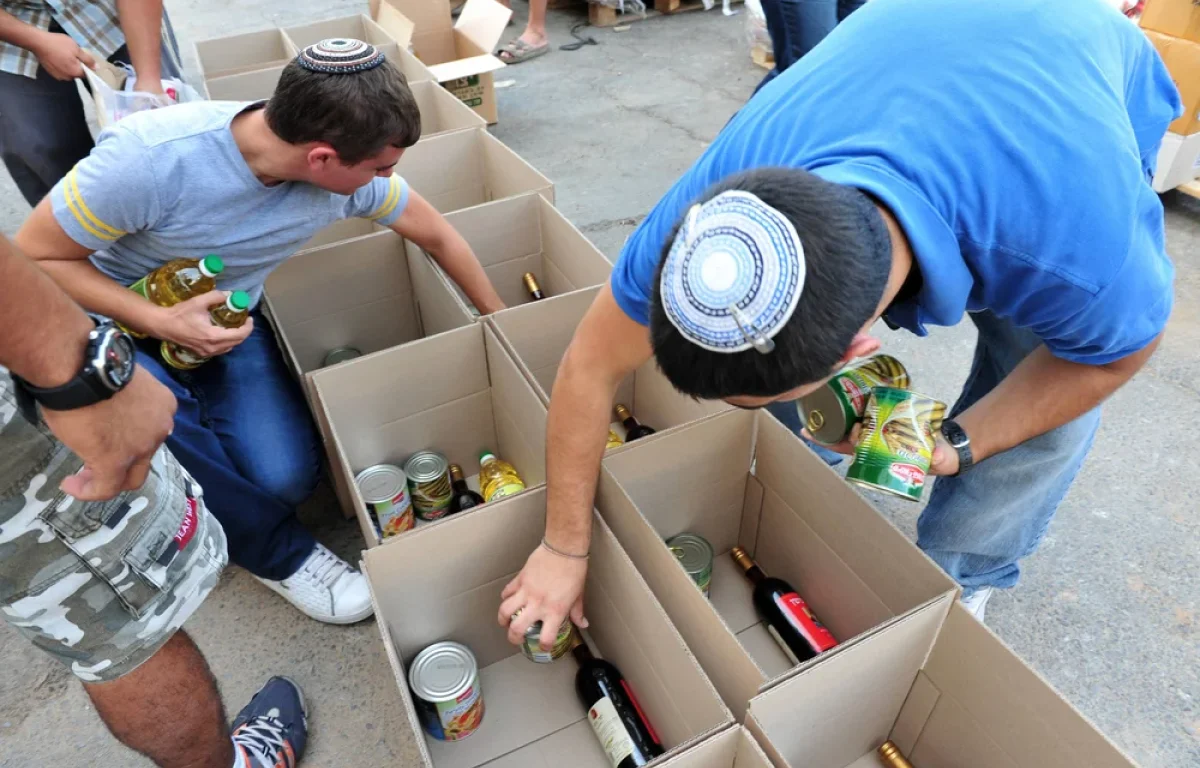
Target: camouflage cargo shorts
[[99, 586]]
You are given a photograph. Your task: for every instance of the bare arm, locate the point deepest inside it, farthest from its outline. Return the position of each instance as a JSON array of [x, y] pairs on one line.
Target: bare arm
[[45, 335], [59, 54], [141, 21], [17, 32], [422, 224], [607, 347], [45, 241]]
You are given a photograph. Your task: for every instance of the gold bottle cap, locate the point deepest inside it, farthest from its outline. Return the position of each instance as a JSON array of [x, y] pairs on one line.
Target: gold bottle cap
[[456, 472], [622, 412], [531, 282], [741, 558], [892, 755]]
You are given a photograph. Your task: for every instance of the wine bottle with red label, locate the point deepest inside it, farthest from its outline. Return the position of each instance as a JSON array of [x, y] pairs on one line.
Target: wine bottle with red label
[[613, 712], [789, 620]]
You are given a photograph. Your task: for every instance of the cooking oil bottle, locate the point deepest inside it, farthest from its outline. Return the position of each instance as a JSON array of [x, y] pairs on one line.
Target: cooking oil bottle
[[498, 478], [231, 314], [179, 280]]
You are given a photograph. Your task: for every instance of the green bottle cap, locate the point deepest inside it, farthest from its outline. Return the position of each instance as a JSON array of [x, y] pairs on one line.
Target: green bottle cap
[[483, 457], [238, 301], [212, 265]]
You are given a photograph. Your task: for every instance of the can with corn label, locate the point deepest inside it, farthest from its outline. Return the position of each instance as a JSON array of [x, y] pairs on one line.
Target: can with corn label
[[444, 679], [898, 438], [830, 412], [532, 648], [429, 479], [385, 490], [695, 554]]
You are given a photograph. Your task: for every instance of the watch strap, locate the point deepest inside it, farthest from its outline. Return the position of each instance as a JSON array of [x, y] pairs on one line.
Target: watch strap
[[957, 437], [76, 393]]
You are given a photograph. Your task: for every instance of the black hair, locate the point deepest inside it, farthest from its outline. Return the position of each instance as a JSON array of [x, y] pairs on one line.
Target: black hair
[[359, 114], [847, 254]]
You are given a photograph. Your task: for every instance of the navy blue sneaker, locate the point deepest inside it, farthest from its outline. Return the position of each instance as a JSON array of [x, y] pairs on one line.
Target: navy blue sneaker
[[272, 730]]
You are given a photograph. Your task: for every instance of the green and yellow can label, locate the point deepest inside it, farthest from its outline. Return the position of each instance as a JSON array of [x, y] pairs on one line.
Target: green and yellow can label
[[898, 438]]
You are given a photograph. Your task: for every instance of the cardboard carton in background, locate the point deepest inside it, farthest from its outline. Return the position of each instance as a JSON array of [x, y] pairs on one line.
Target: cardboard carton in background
[[949, 694], [245, 86], [732, 748], [443, 582], [363, 293], [538, 335], [741, 478], [527, 234], [1178, 18], [441, 112], [458, 170], [1178, 161], [246, 52], [1182, 58], [355, 27], [459, 55], [458, 394]]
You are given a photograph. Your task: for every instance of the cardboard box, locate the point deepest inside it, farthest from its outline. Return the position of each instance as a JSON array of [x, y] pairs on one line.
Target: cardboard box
[[1178, 18], [443, 583], [948, 694], [741, 478], [441, 112], [458, 394], [457, 170], [247, 52], [538, 335], [1178, 161], [459, 55], [394, 43], [1183, 61], [526, 234], [733, 748], [245, 86], [365, 293]]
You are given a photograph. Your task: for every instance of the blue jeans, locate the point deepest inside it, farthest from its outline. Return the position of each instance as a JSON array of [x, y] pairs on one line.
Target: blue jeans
[[244, 433], [796, 26]]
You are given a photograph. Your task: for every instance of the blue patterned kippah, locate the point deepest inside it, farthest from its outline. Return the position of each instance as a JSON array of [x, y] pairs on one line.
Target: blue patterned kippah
[[734, 274], [340, 56]]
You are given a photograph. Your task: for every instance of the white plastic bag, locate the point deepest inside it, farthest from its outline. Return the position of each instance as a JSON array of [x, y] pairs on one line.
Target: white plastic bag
[[113, 100]]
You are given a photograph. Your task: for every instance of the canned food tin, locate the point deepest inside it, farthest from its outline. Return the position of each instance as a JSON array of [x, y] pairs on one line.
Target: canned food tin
[[444, 679], [385, 490], [532, 647], [897, 442], [340, 355], [830, 412], [695, 554], [429, 478]]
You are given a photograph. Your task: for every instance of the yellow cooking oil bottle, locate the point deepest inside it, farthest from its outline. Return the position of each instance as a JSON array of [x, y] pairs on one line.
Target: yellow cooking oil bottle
[[231, 314], [498, 478], [177, 281]]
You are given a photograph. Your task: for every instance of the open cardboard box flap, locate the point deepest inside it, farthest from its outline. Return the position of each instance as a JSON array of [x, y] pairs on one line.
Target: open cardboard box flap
[[939, 684], [437, 39], [741, 478], [450, 576], [473, 65]]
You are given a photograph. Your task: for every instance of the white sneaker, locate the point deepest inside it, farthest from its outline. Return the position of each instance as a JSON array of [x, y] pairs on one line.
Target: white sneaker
[[977, 602], [326, 588]]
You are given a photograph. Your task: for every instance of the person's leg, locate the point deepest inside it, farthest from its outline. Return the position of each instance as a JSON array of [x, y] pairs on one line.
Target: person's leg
[[795, 27], [979, 525], [168, 709], [847, 7], [264, 535], [533, 42], [43, 131]]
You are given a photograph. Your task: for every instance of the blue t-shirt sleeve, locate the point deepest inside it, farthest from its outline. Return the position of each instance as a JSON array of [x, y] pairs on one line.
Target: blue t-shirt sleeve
[[632, 277], [108, 194], [383, 200], [1125, 315]]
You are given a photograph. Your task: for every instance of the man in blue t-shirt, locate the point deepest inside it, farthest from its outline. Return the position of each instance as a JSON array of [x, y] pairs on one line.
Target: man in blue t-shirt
[[251, 183], [931, 158]]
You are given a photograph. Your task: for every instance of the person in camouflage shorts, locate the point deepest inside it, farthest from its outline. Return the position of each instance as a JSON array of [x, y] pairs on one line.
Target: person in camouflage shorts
[[100, 586]]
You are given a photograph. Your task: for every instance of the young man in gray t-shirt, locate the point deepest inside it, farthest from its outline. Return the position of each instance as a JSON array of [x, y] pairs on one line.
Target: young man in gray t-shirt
[[251, 182]]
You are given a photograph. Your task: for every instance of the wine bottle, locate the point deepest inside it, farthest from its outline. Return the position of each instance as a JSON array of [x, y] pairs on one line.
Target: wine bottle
[[531, 285], [634, 430], [464, 497], [789, 620], [614, 712], [892, 756]]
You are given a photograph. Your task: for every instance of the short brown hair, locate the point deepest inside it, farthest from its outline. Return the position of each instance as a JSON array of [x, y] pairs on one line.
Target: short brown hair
[[357, 114]]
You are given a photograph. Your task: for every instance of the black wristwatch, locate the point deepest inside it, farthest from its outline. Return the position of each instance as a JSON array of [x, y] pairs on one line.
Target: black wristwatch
[[108, 365], [957, 437]]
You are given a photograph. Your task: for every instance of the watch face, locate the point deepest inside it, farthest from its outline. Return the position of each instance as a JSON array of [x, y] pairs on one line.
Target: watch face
[[118, 356]]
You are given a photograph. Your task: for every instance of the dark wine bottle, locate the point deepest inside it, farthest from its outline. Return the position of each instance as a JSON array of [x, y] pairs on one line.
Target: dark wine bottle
[[634, 430], [531, 285], [800, 634], [464, 497], [614, 712]]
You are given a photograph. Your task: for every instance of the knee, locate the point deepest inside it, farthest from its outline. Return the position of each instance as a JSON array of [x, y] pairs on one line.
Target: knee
[[289, 475]]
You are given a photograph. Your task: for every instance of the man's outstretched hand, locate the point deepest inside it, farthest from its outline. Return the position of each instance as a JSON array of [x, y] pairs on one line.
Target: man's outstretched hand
[[115, 438], [548, 589]]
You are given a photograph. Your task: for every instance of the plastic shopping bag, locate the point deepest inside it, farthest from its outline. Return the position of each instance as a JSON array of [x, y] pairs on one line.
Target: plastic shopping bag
[[113, 101]]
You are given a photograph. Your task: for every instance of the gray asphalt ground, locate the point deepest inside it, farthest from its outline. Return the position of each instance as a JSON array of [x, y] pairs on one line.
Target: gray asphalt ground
[[1107, 610]]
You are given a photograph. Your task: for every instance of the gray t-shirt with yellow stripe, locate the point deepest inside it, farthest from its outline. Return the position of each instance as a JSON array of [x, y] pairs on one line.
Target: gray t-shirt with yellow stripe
[[171, 183]]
